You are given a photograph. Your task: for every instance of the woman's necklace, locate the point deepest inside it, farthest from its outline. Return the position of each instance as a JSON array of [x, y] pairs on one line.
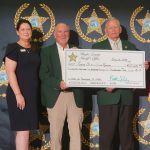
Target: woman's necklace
[[25, 44], [28, 50], [27, 47]]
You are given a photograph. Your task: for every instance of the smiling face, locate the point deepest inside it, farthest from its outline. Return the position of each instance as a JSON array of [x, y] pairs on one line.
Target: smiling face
[[62, 34], [113, 29], [24, 32]]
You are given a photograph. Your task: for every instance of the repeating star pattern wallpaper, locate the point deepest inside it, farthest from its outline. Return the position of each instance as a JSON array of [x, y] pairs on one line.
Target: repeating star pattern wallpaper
[[86, 19]]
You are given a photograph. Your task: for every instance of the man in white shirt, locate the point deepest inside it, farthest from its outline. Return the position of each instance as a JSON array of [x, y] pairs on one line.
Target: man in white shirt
[[115, 104], [60, 100]]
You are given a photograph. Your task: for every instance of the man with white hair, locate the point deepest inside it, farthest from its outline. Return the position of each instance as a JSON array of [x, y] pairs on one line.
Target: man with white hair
[[115, 104], [60, 100]]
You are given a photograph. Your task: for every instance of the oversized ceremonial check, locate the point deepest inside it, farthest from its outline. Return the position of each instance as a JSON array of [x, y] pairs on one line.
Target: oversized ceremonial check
[[104, 68]]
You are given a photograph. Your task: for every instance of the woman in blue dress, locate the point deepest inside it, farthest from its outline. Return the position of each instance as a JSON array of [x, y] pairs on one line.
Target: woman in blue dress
[[22, 62]]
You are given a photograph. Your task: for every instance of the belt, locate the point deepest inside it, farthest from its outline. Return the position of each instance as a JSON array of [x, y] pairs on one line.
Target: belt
[[67, 90]]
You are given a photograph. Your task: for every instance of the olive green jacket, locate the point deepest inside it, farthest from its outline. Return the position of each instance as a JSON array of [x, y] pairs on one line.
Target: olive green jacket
[[125, 96], [50, 75]]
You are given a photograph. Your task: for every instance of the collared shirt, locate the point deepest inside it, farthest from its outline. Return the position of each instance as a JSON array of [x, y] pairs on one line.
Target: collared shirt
[[115, 45], [62, 59]]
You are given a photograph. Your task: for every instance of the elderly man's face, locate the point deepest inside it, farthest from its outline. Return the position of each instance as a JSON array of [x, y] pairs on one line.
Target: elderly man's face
[[113, 29], [62, 34]]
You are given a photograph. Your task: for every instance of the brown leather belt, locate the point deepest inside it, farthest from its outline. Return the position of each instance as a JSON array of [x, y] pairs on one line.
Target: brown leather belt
[[67, 90]]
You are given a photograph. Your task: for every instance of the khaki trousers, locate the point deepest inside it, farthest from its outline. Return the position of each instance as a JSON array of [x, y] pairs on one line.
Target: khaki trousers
[[65, 107]]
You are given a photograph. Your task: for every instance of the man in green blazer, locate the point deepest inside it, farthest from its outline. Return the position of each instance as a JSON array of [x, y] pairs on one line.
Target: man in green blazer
[[115, 104], [60, 100]]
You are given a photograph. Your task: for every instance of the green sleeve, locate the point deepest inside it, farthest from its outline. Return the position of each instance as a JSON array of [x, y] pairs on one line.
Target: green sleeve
[[46, 70]]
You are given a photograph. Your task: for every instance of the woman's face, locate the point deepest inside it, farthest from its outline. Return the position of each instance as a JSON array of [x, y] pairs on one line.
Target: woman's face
[[24, 32]]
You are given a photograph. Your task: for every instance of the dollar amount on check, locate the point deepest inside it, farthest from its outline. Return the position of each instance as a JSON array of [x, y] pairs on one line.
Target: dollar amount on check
[[104, 68]]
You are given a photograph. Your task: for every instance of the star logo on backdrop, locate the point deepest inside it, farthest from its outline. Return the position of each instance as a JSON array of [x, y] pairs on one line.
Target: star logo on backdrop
[[94, 23], [146, 125], [145, 23], [3, 76], [72, 57], [3, 81], [141, 128], [36, 20], [93, 127], [41, 136]]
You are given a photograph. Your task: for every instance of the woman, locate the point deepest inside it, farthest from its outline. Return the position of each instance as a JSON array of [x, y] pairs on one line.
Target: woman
[[22, 62]]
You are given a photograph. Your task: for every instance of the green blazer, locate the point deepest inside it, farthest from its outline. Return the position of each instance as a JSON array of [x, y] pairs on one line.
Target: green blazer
[[125, 96], [50, 75]]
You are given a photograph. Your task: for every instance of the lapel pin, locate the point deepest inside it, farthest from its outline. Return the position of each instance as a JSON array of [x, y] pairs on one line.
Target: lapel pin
[[126, 47]]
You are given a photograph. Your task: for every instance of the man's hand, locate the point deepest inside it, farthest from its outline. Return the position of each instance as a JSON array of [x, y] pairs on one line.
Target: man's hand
[[63, 85], [146, 65], [109, 89]]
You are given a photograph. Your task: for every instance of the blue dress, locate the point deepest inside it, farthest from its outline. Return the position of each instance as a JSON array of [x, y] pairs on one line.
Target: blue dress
[[27, 73]]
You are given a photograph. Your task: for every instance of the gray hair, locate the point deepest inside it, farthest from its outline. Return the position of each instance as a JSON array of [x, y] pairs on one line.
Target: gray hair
[[112, 19], [61, 23]]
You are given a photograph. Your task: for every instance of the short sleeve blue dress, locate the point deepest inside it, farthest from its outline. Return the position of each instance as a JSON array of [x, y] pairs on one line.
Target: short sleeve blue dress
[[27, 73]]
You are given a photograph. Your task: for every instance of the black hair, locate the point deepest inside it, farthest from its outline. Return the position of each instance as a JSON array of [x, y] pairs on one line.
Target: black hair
[[20, 22], [34, 45]]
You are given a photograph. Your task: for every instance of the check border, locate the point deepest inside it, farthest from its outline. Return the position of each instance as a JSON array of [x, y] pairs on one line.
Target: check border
[[124, 52]]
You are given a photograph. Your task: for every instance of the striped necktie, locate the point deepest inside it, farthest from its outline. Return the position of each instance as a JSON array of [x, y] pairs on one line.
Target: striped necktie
[[116, 45]]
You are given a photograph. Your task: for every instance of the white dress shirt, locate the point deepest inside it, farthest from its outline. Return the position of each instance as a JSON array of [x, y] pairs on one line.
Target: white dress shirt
[[115, 45], [62, 59]]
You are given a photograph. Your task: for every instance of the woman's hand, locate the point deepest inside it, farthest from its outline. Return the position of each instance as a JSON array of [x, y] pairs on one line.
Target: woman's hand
[[20, 101]]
